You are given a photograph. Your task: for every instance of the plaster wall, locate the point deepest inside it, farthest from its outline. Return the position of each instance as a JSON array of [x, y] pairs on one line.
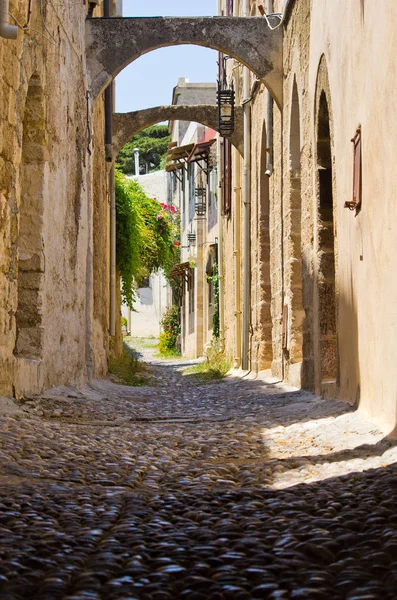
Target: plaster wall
[[359, 43], [48, 65]]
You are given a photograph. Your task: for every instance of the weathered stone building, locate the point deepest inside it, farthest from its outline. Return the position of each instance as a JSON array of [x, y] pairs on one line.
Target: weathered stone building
[[193, 181], [316, 285], [53, 203], [307, 287]]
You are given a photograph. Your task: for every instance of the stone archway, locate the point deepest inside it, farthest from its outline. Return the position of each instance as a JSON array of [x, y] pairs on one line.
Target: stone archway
[[127, 125], [29, 329], [115, 42], [325, 332]]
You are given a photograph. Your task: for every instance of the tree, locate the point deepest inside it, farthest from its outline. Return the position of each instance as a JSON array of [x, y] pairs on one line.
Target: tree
[[152, 144]]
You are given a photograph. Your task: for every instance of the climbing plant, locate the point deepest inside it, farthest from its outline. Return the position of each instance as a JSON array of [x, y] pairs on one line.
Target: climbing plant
[[145, 235], [171, 329], [214, 279]]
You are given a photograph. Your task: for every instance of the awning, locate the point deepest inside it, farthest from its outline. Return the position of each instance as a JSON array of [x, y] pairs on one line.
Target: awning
[[180, 269], [175, 156], [200, 151], [173, 167], [179, 152]]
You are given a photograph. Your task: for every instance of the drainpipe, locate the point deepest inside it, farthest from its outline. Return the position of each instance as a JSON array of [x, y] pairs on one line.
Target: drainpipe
[[7, 31], [220, 252], [237, 259], [246, 212], [220, 234], [237, 228], [109, 93], [269, 115]]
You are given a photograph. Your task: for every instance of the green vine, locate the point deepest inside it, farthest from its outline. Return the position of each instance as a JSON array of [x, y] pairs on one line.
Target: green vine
[[214, 279], [145, 235]]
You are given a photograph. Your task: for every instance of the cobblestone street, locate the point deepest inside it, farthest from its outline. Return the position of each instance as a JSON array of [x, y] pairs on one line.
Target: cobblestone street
[[234, 489]]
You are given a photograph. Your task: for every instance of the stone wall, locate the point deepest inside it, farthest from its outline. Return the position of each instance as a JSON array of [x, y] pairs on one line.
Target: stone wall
[[101, 241], [297, 199], [333, 295], [46, 211]]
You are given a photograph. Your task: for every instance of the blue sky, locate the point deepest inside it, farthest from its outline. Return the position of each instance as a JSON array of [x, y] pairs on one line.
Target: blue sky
[[149, 81]]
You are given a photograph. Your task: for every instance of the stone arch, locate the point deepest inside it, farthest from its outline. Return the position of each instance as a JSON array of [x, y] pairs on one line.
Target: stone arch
[[29, 315], [325, 300], [295, 232], [114, 43], [127, 125]]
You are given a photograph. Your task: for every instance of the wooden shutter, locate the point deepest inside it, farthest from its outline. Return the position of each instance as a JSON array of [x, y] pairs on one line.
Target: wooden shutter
[[229, 8]]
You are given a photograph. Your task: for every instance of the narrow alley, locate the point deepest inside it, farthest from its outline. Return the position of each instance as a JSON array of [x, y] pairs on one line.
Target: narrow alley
[[237, 488]]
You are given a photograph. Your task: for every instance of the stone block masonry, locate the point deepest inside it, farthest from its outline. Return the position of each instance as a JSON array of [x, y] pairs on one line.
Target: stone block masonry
[[46, 203]]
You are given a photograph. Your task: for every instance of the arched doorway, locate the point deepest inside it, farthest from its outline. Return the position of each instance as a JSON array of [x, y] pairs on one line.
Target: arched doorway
[[293, 341], [265, 356], [327, 347], [29, 330]]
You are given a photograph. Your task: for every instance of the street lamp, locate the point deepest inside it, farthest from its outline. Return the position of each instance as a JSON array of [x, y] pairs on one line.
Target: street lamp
[[225, 98], [200, 201]]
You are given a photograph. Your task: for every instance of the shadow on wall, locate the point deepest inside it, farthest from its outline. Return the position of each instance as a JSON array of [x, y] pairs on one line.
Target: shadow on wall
[[347, 355], [349, 366]]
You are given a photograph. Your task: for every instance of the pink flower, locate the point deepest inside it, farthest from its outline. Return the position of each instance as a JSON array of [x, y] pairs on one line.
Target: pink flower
[[176, 244], [159, 217]]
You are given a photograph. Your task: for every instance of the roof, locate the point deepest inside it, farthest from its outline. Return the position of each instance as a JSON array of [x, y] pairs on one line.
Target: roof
[[177, 153], [200, 151], [179, 269], [173, 167]]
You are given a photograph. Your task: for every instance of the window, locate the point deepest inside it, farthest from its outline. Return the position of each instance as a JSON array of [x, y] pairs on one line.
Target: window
[[355, 203]]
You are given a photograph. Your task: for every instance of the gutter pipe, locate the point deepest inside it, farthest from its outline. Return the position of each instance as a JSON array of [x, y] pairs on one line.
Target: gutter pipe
[[246, 212], [269, 115], [109, 92], [237, 259], [220, 241], [7, 31], [237, 232], [221, 254]]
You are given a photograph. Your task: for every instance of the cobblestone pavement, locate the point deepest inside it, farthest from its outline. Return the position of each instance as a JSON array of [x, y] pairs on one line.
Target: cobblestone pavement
[[234, 489]]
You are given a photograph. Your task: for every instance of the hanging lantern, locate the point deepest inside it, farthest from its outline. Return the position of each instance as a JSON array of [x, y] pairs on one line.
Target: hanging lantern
[[191, 238], [200, 201], [225, 99]]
